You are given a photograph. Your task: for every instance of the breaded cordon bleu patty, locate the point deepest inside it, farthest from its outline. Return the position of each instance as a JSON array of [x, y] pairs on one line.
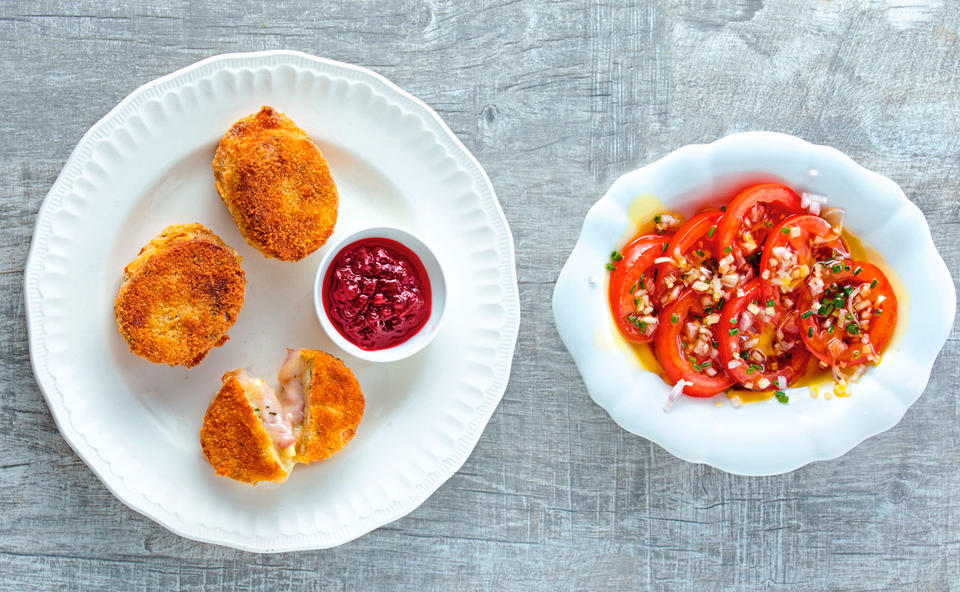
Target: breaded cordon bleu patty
[[277, 185], [254, 433], [180, 296]]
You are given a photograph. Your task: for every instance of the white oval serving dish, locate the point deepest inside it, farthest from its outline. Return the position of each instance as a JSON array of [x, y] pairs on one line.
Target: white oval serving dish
[[769, 437]]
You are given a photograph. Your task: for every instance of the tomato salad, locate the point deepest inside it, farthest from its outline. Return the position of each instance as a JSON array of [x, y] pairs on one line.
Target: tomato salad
[[749, 293]]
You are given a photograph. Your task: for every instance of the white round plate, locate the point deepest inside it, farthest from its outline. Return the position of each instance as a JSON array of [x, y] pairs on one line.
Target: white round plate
[[769, 437], [147, 164]]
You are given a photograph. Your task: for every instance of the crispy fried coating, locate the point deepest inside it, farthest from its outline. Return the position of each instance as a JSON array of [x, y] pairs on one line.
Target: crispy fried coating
[[334, 406], [277, 185], [234, 440], [180, 296]]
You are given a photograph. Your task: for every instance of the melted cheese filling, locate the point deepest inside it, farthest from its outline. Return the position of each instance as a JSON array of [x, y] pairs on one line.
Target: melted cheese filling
[[291, 382], [281, 415]]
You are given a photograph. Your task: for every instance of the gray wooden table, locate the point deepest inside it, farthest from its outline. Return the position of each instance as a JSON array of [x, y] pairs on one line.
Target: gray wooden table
[[556, 100]]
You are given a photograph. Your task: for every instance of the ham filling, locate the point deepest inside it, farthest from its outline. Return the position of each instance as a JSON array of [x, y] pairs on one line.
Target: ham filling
[[281, 415]]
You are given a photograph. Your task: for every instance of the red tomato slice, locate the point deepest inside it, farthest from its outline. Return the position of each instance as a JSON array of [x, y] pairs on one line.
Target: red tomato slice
[[751, 215], [848, 311], [632, 285], [691, 249], [685, 354], [757, 350], [790, 251]]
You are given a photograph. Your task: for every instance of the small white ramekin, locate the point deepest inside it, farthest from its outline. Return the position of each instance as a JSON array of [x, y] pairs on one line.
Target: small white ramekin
[[438, 292]]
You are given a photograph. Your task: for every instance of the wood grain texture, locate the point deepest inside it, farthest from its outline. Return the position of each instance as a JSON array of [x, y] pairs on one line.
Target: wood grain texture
[[556, 100]]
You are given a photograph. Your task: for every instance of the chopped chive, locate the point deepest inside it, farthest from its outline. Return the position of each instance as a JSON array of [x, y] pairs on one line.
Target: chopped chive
[[853, 329], [744, 354], [831, 329], [611, 266], [706, 364], [807, 314], [708, 310], [873, 284], [826, 309], [771, 303], [674, 319], [857, 271], [700, 253], [616, 255], [733, 331], [768, 224], [837, 268], [636, 302], [634, 287], [846, 268], [757, 367], [664, 248], [856, 354], [720, 303], [810, 332], [782, 397], [632, 318], [750, 370], [643, 327], [878, 312], [715, 344], [785, 230], [728, 249], [658, 218], [643, 285], [733, 320], [711, 231]]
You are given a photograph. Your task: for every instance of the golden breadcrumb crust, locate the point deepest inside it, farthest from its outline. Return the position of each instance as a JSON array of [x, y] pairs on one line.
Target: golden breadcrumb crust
[[334, 406], [234, 440], [180, 296], [277, 185]]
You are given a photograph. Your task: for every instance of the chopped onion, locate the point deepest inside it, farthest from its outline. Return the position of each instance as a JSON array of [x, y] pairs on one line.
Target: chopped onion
[[675, 393], [812, 202], [835, 347], [835, 216]]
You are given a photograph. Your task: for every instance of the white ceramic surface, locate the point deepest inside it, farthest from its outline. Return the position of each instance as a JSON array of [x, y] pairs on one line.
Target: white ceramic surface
[[768, 437], [147, 164], [438, 295]]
